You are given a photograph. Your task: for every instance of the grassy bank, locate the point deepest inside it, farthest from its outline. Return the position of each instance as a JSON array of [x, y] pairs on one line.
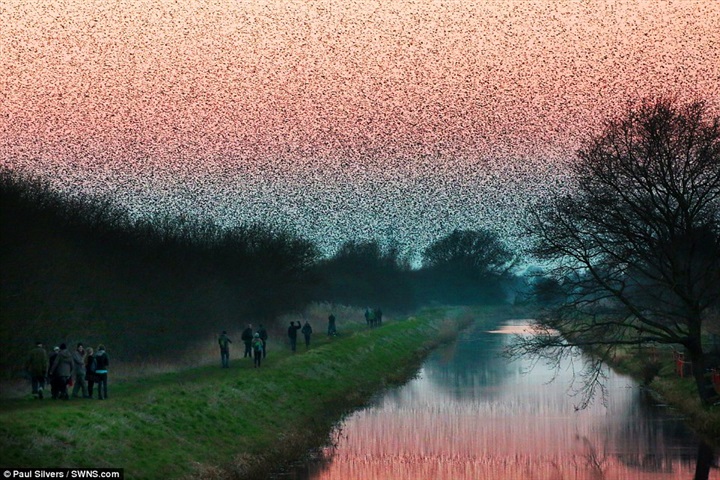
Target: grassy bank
[[207, 422], [667, 386]]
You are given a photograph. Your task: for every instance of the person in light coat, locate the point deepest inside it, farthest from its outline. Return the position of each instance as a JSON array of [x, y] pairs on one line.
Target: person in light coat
[[62, 371], [79, 365]]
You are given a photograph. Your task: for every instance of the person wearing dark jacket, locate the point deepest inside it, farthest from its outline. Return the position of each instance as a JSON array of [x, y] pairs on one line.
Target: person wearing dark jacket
[[63, 370], [37, 366], [50, 375], [263, 336], [307, 331], [292, 335], [102, 362], [247, 337], [224, 342], [332, 330], [90, 367]]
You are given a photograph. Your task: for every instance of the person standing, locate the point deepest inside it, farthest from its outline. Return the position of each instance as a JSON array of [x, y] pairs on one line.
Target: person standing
[[79, 367], [292, 335], [102, 362], [370, 317], [257, 346], [37, 366], [90, 367], [307, 331], [332, 331], [247, 337], [224, 342], [263, 336], [63, 371], [51, 375]]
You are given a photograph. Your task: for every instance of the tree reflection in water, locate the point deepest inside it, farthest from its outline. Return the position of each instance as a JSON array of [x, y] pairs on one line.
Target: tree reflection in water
[[473, 414]]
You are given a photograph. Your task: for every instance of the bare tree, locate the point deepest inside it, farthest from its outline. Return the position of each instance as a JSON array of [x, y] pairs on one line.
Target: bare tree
[[637, 244]]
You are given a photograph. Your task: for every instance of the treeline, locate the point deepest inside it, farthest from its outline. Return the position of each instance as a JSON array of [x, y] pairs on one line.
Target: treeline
[[81, 267]]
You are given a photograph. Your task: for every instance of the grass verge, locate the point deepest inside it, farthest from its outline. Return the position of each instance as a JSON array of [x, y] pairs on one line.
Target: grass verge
[[212, 423], [656, 371]]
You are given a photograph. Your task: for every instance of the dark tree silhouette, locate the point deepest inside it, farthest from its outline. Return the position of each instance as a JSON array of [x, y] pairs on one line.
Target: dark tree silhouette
[[367, 273], [637, 243], [480, 251], [548, 291], [466, 266], [79, 267]]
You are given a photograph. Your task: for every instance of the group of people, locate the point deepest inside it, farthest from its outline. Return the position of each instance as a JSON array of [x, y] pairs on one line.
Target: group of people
[[256, 342], [306, 330], [255, 345], [84, 368], [81, 369], [373, 317]]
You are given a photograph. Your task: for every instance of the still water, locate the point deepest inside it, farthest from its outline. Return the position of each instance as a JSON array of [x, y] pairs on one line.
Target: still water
[[473, 414]]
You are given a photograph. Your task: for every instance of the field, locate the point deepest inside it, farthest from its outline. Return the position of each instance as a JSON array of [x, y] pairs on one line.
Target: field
[[209, 422]]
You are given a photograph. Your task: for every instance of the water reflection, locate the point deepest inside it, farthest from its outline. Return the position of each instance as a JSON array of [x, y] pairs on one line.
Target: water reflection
[[473, 414]]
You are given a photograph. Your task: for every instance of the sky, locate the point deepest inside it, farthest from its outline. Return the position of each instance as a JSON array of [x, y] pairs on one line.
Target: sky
[[342, 119]]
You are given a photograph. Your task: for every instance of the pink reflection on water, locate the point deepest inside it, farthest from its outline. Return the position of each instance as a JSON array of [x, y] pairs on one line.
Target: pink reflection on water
[[522, 328], [511, 468], [523, 426]]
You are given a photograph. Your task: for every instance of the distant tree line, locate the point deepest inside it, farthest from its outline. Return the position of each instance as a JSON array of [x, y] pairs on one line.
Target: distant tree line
[[81, 266]]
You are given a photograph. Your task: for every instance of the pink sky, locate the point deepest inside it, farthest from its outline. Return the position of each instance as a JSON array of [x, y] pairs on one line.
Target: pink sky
[[98, 88], [323, 76]]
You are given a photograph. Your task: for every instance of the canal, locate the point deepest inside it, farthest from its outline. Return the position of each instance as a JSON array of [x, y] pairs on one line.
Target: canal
[[473, 414]]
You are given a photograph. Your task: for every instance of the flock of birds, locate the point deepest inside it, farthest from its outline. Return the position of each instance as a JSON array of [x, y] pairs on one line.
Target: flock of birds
[[343, 120]]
